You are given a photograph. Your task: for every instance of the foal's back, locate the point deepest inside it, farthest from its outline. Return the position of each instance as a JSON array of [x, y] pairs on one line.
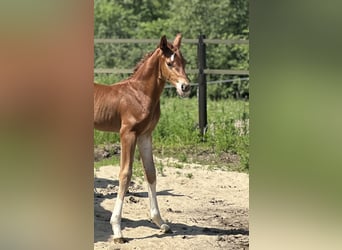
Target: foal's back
[[124, 104], [106, 112]]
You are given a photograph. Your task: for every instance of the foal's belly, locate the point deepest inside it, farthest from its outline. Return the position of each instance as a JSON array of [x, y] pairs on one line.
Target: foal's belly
[[109, 126]]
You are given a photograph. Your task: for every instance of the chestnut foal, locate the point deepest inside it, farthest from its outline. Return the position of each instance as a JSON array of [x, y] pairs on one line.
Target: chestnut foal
[[132, 108]]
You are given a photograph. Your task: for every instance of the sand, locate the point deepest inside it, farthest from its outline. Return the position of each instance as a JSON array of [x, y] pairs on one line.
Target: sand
[[206, 209]]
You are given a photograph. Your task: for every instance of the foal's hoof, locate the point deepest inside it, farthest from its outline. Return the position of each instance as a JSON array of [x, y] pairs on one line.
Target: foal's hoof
[[165, 228], [120, 240]]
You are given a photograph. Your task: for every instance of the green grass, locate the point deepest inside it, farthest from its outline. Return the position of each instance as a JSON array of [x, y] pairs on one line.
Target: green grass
[[177, 133], [107, 161]]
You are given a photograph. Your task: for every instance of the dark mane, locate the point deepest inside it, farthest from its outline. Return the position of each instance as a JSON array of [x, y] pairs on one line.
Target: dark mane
[[147, 56], [142, 61]]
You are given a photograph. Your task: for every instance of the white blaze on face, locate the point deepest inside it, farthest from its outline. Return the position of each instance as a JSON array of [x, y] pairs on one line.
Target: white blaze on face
[[172, 57]]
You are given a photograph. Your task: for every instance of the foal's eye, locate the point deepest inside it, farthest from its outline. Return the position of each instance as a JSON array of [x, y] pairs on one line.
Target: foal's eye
[[169, 64]]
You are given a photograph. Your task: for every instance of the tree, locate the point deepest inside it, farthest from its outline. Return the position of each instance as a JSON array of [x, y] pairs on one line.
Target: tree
[[224, 19]]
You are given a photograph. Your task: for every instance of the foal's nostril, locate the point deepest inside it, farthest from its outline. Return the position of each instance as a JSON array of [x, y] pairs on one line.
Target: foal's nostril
[[185, 87]]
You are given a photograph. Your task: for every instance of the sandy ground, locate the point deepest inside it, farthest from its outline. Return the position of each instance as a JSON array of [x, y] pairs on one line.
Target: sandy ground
[[206, 209]]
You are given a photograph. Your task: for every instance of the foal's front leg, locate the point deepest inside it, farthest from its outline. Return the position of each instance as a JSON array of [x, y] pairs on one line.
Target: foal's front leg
[[128, 143], [145, 149]]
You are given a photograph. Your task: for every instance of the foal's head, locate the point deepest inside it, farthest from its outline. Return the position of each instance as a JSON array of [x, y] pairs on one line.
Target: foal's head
[[172, 65]]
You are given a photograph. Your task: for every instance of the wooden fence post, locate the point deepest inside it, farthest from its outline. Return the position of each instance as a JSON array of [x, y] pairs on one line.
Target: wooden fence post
[[202, 85]]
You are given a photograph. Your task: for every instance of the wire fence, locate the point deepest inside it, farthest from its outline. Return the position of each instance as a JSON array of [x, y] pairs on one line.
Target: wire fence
[[202, 69], [184, 41], [214, 82]]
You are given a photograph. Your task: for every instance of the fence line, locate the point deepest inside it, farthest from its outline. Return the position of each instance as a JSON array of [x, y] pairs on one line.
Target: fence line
[[169, 86], [156, 41], [124, 40], [202, 71], [195, 84], [184, 40], [189, 71]]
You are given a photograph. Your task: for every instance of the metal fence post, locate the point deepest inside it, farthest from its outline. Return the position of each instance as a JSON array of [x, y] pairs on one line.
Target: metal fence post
[[202, 85]]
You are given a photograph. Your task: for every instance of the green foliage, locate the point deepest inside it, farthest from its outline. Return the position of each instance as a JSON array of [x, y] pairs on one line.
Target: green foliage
[[225, 19], [178, 128], [217, 19], [101, 137], [238, 89], [107, 161], [177, 133], [225, 135]]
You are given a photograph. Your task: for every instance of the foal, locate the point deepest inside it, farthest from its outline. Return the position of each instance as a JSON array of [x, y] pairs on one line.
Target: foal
[[132, 108]]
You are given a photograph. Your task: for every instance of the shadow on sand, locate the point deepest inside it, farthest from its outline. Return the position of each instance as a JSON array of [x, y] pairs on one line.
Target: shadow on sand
[[103, 230]]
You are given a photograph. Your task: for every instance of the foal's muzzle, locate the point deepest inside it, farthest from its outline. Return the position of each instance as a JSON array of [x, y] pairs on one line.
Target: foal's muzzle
[[183, 89]]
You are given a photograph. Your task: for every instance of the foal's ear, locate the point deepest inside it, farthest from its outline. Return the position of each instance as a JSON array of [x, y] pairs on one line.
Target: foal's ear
[[177, 41], [163, 44]]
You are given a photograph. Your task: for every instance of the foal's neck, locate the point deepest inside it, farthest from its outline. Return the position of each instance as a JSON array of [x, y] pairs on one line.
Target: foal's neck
[[148, 78]]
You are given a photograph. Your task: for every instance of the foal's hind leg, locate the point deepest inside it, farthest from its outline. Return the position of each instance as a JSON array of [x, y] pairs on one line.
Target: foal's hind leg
[[128, 143], [145, 149]]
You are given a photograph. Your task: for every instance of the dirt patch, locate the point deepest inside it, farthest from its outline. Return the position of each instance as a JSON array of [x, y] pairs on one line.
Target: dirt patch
[[197, 156], [205, 209], [106, 151]]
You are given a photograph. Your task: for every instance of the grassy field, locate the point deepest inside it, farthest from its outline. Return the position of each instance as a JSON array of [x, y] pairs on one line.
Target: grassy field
[[225, 144]]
